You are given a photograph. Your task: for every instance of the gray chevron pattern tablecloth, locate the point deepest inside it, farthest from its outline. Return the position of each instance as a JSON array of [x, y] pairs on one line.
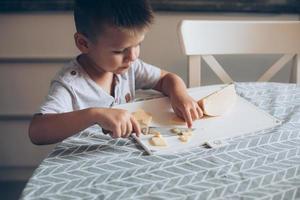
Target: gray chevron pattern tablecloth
[[261, 165]]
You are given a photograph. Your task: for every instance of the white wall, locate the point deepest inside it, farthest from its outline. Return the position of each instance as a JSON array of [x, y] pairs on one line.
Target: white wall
[[34, 46]]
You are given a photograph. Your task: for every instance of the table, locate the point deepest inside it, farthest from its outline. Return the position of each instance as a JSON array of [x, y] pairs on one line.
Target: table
[[260, 165]]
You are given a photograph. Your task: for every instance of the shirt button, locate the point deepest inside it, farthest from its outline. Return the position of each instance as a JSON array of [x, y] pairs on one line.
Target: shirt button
[[73, 73], [128, 97]]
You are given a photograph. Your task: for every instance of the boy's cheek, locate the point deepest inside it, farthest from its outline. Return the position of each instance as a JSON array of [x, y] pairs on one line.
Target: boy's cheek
[[114, 60]]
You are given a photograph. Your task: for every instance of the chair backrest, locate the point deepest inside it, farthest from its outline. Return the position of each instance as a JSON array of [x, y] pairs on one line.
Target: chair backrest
[[203, 39]]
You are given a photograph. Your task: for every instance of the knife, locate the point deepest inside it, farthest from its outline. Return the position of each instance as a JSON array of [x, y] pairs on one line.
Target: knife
[[137, 139]]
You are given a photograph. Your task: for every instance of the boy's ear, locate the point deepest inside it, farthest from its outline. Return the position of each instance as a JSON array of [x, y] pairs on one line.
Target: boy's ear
[[82, 42]]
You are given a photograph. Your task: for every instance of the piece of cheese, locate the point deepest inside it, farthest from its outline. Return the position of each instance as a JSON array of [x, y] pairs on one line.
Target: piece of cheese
[[175, 130], [219, 102], [183, 138], [142, 117], [158, 141], [154, 132]]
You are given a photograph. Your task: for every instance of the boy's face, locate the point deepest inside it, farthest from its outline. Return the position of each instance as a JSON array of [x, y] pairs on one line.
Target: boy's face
[[115, 50]]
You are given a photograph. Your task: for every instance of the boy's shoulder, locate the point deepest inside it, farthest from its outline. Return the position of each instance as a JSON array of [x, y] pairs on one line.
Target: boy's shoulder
[[69, 72]]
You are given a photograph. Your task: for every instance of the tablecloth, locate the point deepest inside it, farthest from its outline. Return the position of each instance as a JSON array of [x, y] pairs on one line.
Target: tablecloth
[[259, 165]]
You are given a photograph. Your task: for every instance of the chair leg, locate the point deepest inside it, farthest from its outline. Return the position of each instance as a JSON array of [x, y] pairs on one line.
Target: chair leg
[[194, 71], [295, 72]]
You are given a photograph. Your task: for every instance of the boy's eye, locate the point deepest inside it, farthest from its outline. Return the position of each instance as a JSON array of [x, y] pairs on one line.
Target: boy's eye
[[118, 51], [124, 50]]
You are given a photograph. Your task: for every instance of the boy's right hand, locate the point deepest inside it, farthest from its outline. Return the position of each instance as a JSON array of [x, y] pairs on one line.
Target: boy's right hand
[[118, 121]]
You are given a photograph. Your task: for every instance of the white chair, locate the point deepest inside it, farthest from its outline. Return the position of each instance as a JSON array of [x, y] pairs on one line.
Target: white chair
[[203, 39]]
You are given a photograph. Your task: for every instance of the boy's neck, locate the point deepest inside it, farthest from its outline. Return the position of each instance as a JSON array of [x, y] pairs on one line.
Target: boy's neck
[[104, 79], [93, 71]]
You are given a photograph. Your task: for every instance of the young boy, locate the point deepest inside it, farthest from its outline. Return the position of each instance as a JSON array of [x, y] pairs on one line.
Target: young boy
[[107, 72]]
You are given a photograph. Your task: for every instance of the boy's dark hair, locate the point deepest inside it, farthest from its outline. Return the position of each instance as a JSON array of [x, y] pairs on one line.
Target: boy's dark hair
[[91, 15]]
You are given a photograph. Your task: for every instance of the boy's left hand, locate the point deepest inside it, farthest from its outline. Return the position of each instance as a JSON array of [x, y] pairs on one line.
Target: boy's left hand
[[186, 107]]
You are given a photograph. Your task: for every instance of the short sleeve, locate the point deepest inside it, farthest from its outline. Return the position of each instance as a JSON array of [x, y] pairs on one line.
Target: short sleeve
[[146, 75], [59, 100]]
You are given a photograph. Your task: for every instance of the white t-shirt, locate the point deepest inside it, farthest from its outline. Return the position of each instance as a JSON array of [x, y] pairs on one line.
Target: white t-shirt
[[73, 89]]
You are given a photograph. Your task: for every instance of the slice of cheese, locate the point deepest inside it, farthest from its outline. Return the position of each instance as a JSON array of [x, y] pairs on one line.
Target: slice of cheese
[[175, 130], [142, 117], [158, 141], [183, 138], [154, 132], [219, 102]]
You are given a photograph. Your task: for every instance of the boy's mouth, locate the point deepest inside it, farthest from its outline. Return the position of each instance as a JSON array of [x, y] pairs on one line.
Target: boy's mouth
[[125, 67]]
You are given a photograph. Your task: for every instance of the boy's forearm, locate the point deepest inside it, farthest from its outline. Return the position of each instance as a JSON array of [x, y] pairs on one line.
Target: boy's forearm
[[171, 84], [53, 128]]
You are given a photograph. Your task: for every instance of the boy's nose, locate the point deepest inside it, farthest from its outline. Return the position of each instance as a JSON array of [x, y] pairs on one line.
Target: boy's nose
[[132, 55]]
